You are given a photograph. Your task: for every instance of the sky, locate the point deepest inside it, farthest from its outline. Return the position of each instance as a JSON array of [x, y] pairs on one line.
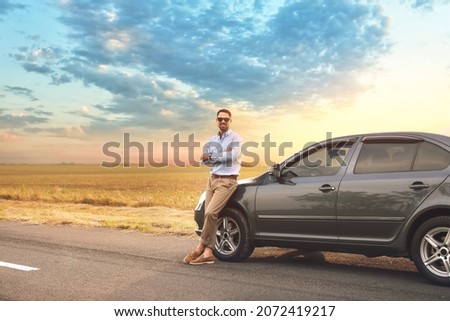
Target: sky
[[76, 76]]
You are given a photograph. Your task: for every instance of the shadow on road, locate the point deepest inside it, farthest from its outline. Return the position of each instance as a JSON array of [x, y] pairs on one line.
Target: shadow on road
[[337, 262]]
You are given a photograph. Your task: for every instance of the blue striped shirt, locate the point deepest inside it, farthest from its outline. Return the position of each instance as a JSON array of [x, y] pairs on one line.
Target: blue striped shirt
[[225, 153]]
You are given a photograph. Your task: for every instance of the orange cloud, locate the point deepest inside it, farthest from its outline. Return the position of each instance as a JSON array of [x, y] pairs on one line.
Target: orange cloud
[[7, 137]]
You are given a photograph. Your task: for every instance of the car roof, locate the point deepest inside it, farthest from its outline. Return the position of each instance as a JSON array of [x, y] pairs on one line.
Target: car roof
[[429, 136]]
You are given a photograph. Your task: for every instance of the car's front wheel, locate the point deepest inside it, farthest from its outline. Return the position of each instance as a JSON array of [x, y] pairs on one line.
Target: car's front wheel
[[431, 249], [234, 242]]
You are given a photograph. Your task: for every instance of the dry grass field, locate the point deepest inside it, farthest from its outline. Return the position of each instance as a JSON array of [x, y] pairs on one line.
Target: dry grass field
[[151, 200]]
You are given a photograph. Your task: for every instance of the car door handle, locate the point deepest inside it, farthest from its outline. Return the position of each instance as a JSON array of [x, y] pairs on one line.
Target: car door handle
[[326, 188], [418, 185]]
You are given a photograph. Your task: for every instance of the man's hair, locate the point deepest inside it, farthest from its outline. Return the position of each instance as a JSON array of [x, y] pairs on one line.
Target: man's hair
[[223, 110]]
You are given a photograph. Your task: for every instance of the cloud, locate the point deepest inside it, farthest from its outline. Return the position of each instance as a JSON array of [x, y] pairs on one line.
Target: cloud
[[84, 110], [20, 120], [165, 61], [8, 137], [21, 91], [138, 99], [235, 51], [74, 131], [60, 79], [167, 112], [70, 131], [6, 6], [31, 67], [425, 4], [43, 60], [38, 111]]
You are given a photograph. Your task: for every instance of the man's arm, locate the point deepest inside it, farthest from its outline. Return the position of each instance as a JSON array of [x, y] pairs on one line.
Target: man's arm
[[231, 153]]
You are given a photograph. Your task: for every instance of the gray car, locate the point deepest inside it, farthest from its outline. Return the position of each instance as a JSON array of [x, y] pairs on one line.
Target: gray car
[[372, 194]]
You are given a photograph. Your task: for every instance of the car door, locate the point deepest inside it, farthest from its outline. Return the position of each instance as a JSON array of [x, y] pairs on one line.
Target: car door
[[301, 204], [390, 177]]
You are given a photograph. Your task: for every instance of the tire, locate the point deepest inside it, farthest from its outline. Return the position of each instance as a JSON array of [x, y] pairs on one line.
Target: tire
[[234, 242], [430, 250]]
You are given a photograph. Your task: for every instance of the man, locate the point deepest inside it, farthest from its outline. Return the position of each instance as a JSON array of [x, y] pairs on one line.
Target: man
[[222, 153]]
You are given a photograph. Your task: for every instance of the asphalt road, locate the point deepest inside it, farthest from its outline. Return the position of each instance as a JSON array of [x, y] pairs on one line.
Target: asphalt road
[[86, 264]]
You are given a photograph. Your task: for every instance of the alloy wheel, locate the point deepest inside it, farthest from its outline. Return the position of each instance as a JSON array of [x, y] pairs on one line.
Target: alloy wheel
[[228, 236], [435, 251]]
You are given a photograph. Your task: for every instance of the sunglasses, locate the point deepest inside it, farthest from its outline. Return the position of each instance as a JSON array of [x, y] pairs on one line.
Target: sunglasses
[[225, 119]]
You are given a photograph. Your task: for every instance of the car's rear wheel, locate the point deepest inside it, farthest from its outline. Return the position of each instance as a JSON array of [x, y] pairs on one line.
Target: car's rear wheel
[[234, 242], [431, 249]]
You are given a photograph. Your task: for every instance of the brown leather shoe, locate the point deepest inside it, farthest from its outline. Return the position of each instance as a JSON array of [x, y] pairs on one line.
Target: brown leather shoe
[[203, 260], [191, 257]]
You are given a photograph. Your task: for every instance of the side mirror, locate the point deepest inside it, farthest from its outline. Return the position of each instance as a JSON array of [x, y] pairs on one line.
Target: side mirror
[[275, 171]]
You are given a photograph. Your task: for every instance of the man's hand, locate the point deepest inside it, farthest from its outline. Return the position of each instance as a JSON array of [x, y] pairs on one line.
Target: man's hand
[[205, 156]]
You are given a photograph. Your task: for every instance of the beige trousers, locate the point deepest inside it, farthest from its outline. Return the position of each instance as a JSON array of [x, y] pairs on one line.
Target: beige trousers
[[218, 192]]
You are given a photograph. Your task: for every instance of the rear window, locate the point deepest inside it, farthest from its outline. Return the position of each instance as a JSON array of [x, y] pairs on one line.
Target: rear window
[[401, 157], [385, 158], [431, 158]]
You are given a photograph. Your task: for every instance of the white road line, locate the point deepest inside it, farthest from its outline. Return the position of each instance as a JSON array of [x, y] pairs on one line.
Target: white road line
[[17, 266]]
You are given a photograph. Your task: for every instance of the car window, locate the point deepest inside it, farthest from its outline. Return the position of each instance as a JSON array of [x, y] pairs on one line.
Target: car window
[[401, 157], [319, 161], [431, 158], [385, 157]]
